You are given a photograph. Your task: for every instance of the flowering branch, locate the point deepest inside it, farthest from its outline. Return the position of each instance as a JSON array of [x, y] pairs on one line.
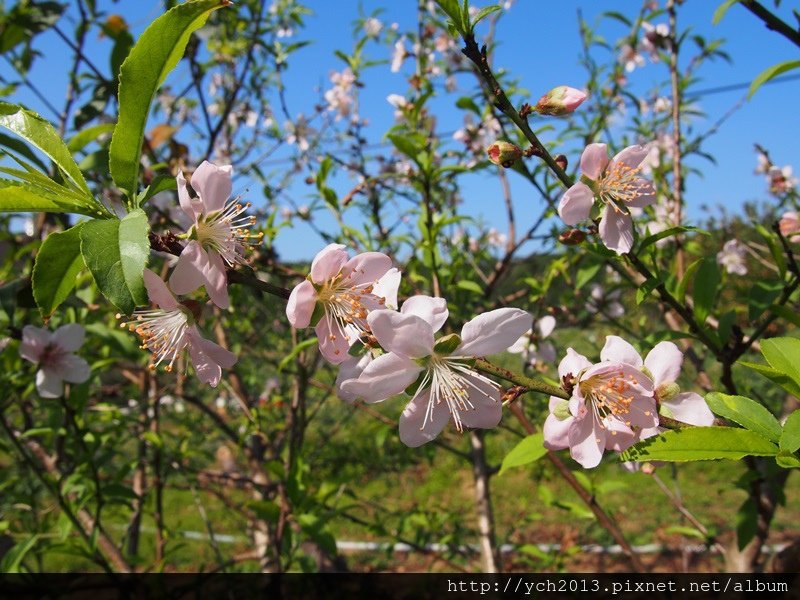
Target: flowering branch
[[530, 384]]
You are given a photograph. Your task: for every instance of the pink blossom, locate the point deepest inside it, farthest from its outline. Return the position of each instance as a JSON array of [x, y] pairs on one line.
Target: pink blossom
[[732, 257], [347, 290], [217, 237], [616, 187], [445, 385], [561, 100], [170, 328], [790, 226], [532, 345], [612, 402], [54, 353]]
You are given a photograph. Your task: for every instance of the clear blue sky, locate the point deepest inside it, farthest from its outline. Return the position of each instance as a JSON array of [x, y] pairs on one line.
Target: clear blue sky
[[540, 46]]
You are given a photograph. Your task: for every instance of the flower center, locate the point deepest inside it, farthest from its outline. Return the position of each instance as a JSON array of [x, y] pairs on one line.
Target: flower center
[[620, 185], [609, 395], [163, 333], [52, 356], [227, 233], [346, 305]]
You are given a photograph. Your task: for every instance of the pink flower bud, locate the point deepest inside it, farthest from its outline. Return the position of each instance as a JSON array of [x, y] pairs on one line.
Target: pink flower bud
[[561, 100], [504, 153]]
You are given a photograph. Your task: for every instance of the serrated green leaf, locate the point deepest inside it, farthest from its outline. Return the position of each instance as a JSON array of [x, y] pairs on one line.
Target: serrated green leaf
[[23, 197], [528, 450], [646, 289], [162, 183], [701, 443], [790, 438], [116, 253], [86, 136], [781, 379], [761, 296], [706, 284], [688, 276], [747, 413], [39, 132], [783, 354], [787, 460], [154, 55], [57, 265], [771, 73]]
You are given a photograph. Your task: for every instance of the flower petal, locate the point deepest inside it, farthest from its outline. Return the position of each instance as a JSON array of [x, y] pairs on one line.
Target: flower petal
[[367, 267], [493, 331], [690, 408], [386, 376], [207, 370], [69, 337], [216, 280], [645, 193], [587, 441], [193, 207], [631, 156], [213, 185], [349, 371], [415, 429], [664, 362], [618, 350], [334, 344], [594, 160], [575, 204], [616, 230], [49, 384], [555, 430], [488, 406], [224, 358], [619, 436], [74, 369], [404, 334], [34, 341], [545, 326], [301, 304], [189, 274], [387, 287], [431, 310], [572, 364], [158, 291], [328, 262]]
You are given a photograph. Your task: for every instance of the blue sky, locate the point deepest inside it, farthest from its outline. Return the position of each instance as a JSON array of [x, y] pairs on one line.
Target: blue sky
[[540, 45]]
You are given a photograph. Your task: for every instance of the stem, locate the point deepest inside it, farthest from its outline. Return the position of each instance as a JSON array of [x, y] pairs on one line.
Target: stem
[[530, 384], [772, 21], [677, 173]]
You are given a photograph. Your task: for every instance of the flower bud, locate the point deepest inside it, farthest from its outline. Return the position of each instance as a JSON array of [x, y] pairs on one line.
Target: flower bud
[[561, 100], [504, 153], [572, 237], [667, 391], [562, 162]]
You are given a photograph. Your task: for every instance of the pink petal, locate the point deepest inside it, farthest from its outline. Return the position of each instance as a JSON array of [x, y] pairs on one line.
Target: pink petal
[[575, 204], [189, 273], [387, 287], [556, 431], [690, 408], [415, 430], [493, 331], [431, 310], [213, 185], [616, 230], [349, 371], [587, 441], [158, 291], [34, 341], [545, 352], [206, 369], [646, 193], [49, 384], [618, 350], [300, 306], [74, 369], [638, 383], [488, 408], [191, 206], [69, 337], [545, 326], [207, 357], [333, 342], [385, 377], [631, 156], [572, 364], [594, 160], [619, 437], [367, 267], [406, 335], [328, 262], [224, 358], [664, 361], [216, 280]]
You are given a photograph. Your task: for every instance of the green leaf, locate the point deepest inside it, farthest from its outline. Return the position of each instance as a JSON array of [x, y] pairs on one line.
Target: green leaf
[[470, 286], [771, 73], [761, 296], [57, 266], [23, 197], [721, 10], [775, 377], [746, 523], [22, 149], [701, 443], [747, 413], [39, 132], [646, 288], [295, 351], [530, 449], [162, 183], [790, 438], [116, 253], [586, 274], [406, 145], [13, 559], [483, 13], [680, 292], [155, 54], [784, 356], [86, 136], [787, 460], [705, 288], [652, 239]]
